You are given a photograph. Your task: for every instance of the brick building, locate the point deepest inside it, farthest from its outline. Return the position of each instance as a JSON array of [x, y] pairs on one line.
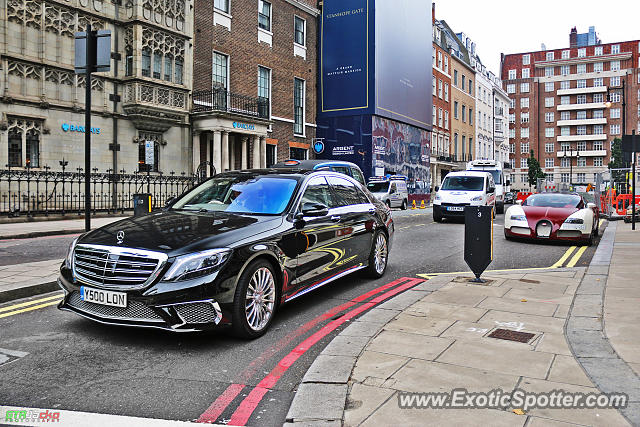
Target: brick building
[[559, 106], [254, 65]]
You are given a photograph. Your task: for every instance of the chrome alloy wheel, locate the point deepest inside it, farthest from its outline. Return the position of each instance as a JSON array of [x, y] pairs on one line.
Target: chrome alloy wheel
[[260, 299], [380, 254]]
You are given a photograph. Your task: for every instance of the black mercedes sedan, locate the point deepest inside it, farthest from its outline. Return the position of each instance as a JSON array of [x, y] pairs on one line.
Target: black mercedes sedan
[[228, 252]]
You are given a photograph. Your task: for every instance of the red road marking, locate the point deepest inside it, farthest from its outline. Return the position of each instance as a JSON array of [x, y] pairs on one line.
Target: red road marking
[[220, 404], [250, 403]]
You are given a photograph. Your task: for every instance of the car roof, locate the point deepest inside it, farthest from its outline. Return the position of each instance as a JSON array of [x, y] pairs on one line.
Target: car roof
[[469, 173], [311, 164], [266, 171]]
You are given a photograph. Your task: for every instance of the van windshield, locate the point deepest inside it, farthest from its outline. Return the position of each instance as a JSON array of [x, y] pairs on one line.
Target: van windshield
[[378, 187], [463, 183]]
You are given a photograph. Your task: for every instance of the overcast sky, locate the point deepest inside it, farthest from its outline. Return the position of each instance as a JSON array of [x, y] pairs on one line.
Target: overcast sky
[[513, 26]]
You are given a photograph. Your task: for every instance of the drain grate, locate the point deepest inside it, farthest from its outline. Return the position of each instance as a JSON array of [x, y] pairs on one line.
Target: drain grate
[[509, 335]]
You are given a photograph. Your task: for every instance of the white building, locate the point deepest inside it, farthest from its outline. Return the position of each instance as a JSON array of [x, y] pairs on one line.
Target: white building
[[500, 121], [484, 112]]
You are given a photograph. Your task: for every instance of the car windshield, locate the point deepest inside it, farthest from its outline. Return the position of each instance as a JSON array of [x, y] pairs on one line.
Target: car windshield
[[378, 187], [241, 193], [463, 183], [553, 200]]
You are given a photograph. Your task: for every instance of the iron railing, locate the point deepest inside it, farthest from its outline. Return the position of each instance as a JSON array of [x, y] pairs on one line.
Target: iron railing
[[223, 100], [43, 192]]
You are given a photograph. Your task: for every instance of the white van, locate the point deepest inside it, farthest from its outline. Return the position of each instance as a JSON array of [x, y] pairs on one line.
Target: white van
[[460, 189], [497, 171], [390, 190]]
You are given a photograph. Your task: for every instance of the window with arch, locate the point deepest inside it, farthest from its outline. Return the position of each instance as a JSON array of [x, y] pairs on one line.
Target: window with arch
[[24, 142]]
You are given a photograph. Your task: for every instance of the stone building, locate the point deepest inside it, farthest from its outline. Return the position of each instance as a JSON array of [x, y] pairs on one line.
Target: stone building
[[254, 99], [145, 96]]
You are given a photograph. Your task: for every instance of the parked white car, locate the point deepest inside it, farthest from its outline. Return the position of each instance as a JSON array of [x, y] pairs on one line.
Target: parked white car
[[460, 189]]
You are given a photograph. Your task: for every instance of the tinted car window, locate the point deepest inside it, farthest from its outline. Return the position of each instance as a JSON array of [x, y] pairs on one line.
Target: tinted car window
[[318, 192], [463, 183], [378, 187], [347, 192]]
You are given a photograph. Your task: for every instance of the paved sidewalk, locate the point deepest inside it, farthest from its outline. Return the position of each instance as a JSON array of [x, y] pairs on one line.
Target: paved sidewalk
[[21, 230], [434, 338]]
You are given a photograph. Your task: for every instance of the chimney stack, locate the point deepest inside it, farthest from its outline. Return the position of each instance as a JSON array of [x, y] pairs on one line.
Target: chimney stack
[[573, 37]]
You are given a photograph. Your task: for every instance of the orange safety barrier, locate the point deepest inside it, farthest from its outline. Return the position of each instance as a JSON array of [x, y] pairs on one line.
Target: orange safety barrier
[[522, 195], [623, 201]]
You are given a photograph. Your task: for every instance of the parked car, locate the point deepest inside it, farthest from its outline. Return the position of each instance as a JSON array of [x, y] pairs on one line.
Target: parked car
[[390, 190], [228, 252], [347, 168], [553, 216], [460, 189], [629, 212], [509, 198]]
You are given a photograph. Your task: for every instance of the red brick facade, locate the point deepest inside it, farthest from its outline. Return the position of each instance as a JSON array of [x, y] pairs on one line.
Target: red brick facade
[[245, 54]]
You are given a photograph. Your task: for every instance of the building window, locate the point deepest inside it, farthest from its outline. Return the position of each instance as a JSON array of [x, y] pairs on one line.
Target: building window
[[464, 80], [581, 115], [615, 48], [581, 146], [512, 118], [297, 153], [524, 102], [565, 100], [581, 68], [455, 78], [470, 87], [549, 132], [433, 79], [614, 81], [446, 120], [464, 113], [581, 177], [526, 73], [599, 97], [548, 117], [614, 129], [565, 115], [298, 106], [614, 113], [220, 71], [524, 132], [581, 84], [446, 65], [582, 99], [597, 51], [512, 133], [128, 63], [511, 88], [526, 59], [157, 64], [524, 87], [614, 65], [598, 67], [264, 91], [598, 145], [264, 15], [564, 177], [272, 157], [597, 161], [33, 149], [446, 92], [154, 140], [548, 162], [512, 103], [565, 84], [549, 56], [582, 53], [512, 148], [439, 88], [524, 163], [549, 87], [565, 70], [548, 147], [146, 62], [30, 131], [566, 54], [613, 97], [177, 72], [565, 162], [581, 130], [565, 131], [440, 60], [598, 129], [565, 146], [512, 74], [15, 148], [548, 71], [524, 118], [598, 82], [168, 62], [548, 102], [222, 5], [440, 118], [434, 115], [299, 25], [455, 109]]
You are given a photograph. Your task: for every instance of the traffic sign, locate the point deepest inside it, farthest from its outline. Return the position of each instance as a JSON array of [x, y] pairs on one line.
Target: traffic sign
[[478, 238], [630, 143]]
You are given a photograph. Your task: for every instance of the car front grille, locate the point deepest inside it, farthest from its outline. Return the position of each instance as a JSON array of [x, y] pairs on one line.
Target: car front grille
[[198, 312], [134, 311], [114, 267]]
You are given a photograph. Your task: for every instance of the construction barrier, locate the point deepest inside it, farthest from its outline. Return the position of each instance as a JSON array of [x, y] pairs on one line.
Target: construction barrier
[[622, 202], [522, 195]]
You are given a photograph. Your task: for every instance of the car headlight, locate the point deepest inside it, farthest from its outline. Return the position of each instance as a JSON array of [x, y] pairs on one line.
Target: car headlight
[[197, 265], [574, 221], [518, 218], [438, 197], [69, 258], [476, 199]]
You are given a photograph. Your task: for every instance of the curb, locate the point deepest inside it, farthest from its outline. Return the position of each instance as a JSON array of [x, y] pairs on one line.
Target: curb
[[42, 234], [587, 339], [28, 291]]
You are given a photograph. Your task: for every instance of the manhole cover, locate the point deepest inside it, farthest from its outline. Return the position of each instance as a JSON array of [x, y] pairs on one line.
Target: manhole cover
[[509, 335]]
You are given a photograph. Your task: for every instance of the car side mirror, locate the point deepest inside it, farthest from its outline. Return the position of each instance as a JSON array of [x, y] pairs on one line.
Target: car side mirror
[[314, 209], [437, 188], [170, 201], [508, 183], [591, 205], [298, 220], [491, 190], [519, 202]]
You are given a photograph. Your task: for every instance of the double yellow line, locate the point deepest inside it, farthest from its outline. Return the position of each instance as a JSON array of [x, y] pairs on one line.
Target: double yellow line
[[574, 260], [23, 307]]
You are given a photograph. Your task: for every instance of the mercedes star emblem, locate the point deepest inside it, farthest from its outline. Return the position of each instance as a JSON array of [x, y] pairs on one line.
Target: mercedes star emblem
[[120, 237]]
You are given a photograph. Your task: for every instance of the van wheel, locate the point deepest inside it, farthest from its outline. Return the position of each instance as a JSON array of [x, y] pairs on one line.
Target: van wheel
[[437, 216], [500, 208], [404, 205]]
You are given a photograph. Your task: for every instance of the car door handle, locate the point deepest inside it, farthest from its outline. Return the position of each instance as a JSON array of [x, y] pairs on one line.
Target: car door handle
[[336, 218], [372, 211]]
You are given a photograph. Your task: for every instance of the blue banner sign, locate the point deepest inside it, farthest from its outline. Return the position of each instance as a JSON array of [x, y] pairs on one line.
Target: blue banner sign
[[76, 128], [238, 125]]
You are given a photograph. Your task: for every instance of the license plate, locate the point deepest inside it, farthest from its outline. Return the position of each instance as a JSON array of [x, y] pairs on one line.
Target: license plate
[[573, 226], [100, 296], [455, 208]]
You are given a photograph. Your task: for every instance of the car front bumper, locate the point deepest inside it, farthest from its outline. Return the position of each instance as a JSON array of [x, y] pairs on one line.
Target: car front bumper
[[556, 235]]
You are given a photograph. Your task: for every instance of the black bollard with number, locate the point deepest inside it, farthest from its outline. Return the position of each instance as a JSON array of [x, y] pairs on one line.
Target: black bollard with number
[[478, 238]]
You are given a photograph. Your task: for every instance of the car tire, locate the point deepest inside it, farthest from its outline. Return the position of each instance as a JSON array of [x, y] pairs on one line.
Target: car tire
[[437, 216], [405, 204], [248, 319], [379, 255], [507, 237], [500, 208]]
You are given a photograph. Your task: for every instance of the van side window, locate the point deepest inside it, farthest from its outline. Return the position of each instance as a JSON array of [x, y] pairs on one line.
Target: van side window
[[357, 175]]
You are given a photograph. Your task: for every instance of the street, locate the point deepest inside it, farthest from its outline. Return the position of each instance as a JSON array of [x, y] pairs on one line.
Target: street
[[76, 364]]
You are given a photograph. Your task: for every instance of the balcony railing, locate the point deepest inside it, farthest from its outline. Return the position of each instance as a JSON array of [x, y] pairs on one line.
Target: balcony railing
[[225, 101]]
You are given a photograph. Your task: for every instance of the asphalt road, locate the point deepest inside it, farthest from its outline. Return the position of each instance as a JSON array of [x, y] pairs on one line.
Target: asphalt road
[[76, 364]]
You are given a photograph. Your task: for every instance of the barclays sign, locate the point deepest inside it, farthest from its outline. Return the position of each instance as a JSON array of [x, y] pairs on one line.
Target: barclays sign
[[75, 128], [238, 125]]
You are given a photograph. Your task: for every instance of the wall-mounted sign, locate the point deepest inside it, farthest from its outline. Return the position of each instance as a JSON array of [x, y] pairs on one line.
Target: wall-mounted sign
[[75, 128], [318, 147], [342, 151], [149, 151], [246, 126]]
